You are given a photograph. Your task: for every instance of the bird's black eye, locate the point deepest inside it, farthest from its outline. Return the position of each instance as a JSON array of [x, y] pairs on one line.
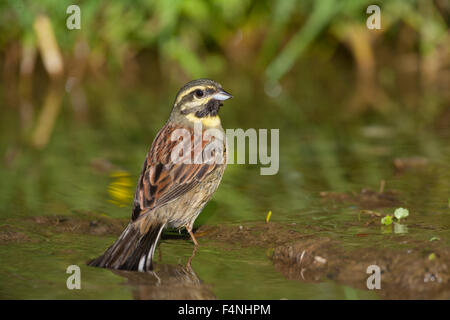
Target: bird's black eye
[[199, 93]]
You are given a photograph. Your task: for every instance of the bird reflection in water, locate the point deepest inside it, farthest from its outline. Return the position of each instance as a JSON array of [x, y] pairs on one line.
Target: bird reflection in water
[[174, 282]]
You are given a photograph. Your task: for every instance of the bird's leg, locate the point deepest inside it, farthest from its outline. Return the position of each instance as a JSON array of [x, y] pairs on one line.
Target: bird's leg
[[189, 229]]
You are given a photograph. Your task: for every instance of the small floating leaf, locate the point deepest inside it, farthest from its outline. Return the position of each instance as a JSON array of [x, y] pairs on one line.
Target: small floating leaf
[[432, 256], [435, 239], [386, 220], [401, 213], [269, 214]]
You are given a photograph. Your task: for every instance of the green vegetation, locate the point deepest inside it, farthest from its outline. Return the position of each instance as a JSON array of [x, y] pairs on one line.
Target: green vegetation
[[387, 220], [401, 213], [269, 215], [200, 37]]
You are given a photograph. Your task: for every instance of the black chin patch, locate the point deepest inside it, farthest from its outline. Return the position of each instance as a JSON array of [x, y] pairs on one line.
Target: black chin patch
[[211, 109]]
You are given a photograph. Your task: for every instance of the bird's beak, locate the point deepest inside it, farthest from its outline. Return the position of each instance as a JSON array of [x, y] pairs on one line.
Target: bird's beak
[[222, 95]]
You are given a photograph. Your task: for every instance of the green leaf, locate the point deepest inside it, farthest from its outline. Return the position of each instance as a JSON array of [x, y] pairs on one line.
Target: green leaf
[[435, 239], [432, 256], [401, 213], [387, 220], [269, 214]]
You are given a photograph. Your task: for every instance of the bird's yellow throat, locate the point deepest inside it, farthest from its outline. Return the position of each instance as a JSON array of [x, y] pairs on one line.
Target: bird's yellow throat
[[208, 122]]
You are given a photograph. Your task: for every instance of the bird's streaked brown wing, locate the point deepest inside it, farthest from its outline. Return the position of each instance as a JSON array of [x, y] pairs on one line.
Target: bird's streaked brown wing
[[161, 180]]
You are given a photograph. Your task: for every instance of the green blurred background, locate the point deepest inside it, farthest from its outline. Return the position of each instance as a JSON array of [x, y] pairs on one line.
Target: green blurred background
[[80, 108]]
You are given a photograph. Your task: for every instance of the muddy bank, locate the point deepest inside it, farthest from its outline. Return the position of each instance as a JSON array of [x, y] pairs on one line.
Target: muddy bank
[[254, 234], [366, 198], [415, 269], [85, 224], [9, 234], [35, 229], [420, 271]]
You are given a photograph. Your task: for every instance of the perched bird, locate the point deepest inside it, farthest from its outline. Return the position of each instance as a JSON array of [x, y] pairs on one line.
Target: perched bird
[[174, 185]]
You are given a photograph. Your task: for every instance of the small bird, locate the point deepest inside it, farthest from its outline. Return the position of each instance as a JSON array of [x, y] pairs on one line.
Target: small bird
[[174, 185]]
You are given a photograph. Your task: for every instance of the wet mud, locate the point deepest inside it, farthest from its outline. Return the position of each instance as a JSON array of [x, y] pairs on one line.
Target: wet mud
[[10, 234], [405, 274], [414, 270], [419, 271], [85, 224], [365, 199]]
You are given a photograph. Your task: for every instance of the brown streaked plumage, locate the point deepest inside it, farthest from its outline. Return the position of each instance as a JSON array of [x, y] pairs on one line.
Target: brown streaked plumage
[[172, 193]]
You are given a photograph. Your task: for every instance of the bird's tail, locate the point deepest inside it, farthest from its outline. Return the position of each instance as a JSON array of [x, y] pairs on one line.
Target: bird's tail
[[132, 250]]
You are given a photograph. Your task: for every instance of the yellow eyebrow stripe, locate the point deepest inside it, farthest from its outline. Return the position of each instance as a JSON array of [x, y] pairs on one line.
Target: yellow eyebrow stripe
[[191, 89]]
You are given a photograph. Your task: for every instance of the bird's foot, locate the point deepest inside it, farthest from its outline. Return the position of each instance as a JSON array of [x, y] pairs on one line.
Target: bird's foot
[[189, 229]]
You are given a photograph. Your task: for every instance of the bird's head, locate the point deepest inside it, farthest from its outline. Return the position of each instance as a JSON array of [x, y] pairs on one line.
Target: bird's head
[[199, 101]]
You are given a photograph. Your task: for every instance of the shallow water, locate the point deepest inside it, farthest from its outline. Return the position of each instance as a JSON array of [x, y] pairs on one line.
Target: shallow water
[[92, 161]]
